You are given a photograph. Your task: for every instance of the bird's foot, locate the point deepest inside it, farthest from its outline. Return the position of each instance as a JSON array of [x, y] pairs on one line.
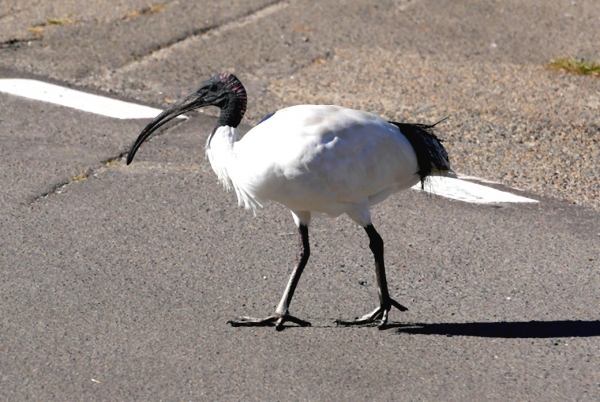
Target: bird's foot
[[378, 316], [275, 319]]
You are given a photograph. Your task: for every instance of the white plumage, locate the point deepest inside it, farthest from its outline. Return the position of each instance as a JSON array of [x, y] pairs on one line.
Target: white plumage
[[312, 159]]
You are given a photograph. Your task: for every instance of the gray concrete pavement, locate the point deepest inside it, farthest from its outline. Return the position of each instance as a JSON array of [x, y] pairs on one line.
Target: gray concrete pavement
[[118, 285]]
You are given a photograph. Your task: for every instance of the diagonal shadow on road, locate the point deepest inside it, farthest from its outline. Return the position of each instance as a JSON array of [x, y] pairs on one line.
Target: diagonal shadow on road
[[503, 329]]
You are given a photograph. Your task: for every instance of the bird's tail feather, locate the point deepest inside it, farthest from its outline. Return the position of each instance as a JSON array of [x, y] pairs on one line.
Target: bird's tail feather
[[431, 154]]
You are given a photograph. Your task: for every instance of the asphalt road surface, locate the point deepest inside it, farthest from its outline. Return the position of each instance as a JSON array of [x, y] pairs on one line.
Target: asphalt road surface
[[116, 281]]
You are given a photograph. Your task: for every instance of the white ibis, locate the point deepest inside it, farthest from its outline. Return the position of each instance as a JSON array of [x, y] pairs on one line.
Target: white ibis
[[312, 158]]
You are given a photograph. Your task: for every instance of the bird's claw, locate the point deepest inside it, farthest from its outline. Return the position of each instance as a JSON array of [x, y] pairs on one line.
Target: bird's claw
[[378, 316], [274, 319]]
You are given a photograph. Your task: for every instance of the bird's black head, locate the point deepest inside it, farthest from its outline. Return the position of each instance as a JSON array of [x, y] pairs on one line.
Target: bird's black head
[[223, 90]]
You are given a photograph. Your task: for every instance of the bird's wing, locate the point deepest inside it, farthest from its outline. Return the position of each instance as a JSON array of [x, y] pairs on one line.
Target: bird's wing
[[324, 155]]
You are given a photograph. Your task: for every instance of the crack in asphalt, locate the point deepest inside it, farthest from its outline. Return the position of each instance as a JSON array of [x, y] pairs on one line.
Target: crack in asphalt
[[58, 188], [95, 169], [207, 32], [16, 43]]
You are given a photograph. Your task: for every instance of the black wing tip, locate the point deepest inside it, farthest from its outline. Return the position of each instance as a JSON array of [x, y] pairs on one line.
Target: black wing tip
[[425, 127], [434, 124], [430, 152]]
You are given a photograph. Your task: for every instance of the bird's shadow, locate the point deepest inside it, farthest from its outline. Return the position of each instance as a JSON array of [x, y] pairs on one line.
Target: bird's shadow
[[503, 329]]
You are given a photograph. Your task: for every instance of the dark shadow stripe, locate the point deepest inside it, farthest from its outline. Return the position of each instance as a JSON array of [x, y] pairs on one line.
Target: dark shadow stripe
[[503, 329]]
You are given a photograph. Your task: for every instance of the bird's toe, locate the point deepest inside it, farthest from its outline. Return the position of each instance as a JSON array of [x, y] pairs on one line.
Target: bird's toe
[[366, 319], [378, 316], [277, 320]]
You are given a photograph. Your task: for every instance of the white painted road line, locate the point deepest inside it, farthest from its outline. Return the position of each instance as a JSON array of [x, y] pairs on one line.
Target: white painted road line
[[469, 192], [43, 91]]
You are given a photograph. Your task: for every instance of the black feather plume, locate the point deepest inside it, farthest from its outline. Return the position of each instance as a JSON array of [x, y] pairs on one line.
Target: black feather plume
[[428, 147]]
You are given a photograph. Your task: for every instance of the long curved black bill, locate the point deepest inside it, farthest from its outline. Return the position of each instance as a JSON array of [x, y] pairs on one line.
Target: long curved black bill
[[190, 102]]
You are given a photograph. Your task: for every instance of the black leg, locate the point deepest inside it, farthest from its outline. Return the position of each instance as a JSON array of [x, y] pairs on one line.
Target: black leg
[[281, 314], [385, 301], [301, 260], [376, 246]]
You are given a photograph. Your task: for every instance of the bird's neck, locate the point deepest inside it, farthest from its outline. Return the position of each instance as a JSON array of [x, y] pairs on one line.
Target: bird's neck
[[232, 111], [220, 152]]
